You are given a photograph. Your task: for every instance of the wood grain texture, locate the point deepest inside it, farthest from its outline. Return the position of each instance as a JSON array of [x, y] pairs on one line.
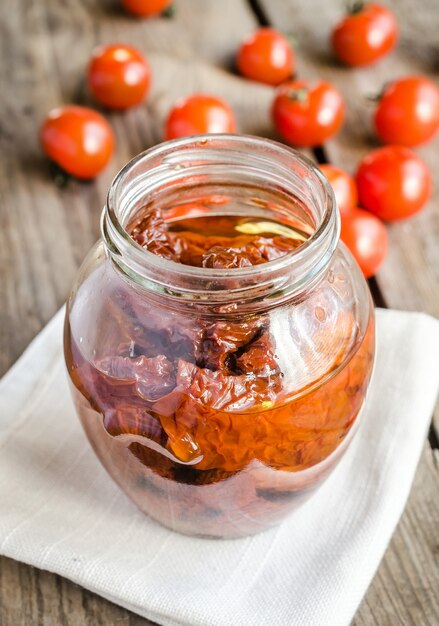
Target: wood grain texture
[[33, 597], [405, 588], [45, 230], [410, 276]]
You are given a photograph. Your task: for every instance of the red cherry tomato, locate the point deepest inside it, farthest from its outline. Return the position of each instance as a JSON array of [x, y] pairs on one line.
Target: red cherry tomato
[[146, 8], [364, 36], [393, 182], [408, 111], [78, 139], [366, 237], [344, 186], [199, 114], [306, 113], [118, 76], [266, 56]]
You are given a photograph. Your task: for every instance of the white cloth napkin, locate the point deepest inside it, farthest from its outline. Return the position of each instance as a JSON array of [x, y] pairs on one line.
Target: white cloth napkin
[[60, 511]]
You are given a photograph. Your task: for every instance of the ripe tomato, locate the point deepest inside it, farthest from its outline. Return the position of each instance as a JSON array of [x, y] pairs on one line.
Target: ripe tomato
[[78, 139], [198, 114], [393, 182], [408, 111], [118, 76], [344, 186], [368, 33], [366, 237], [307, 114], [146, 8], [266, 56]]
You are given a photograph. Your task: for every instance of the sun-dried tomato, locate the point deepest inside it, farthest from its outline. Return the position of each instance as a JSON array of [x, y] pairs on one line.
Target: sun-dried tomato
[[229, 248], [153, 377], [197, 412], [221, 340]]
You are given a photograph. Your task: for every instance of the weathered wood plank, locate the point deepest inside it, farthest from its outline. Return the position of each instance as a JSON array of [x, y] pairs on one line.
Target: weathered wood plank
[[404, 590], [409, 278], [33, 597], [46, 231]]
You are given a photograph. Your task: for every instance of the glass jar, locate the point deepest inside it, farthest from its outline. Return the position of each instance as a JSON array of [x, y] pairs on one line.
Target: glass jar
[[218, 399]]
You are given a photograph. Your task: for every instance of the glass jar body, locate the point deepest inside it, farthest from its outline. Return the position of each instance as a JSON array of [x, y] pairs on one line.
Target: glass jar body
[[200, 450]]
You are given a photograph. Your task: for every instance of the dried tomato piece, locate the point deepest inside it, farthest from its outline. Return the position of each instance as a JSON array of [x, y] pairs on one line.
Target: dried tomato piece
[[259, 357], [154, 377], [219, 257], [134, 421], [224, 248], [151, 233], [220, 339], [203, 416], [232, 393], [272, 248], [159, 332]]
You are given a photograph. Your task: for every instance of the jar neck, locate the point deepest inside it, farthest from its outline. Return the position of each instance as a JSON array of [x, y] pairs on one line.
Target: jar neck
[[276, 181]]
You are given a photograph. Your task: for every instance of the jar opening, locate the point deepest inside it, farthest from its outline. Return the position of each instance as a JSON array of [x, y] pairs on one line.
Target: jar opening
[[238, 175]]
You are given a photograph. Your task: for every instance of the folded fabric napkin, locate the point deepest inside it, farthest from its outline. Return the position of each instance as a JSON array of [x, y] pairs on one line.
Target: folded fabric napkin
[[60, 511]]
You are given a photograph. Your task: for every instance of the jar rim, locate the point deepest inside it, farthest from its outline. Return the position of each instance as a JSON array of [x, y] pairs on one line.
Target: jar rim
[[121, 245]]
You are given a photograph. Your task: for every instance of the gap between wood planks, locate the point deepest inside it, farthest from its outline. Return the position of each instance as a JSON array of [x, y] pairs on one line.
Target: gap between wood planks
[[322, 157], [319, 153]]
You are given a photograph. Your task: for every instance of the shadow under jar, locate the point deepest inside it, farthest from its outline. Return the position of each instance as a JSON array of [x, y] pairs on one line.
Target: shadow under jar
[[219, 339]]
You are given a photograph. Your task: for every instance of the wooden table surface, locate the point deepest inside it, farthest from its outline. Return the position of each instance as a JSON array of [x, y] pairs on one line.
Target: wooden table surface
[[47, 228]]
